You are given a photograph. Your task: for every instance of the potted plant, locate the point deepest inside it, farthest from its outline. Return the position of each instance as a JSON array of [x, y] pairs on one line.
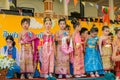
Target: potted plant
[[5, 64]]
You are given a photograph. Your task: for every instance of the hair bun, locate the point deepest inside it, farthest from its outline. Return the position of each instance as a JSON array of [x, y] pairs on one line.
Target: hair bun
[[116, 29], [74, 21], [47, 19], [63, 18]]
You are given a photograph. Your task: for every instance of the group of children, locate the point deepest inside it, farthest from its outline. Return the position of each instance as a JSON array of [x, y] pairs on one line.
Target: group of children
[[78, 54]]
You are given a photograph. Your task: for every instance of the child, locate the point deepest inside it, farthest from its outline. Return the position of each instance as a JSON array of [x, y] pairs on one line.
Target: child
[[29, 43], [69, 48], [105, 46], [62, 58], [84, 34], [48, 49], [78, 63], [116, 53], [11, 51], [111, 36], [93, 63]]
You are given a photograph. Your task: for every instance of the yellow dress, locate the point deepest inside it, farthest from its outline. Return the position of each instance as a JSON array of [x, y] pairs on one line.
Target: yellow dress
[[107, 53]]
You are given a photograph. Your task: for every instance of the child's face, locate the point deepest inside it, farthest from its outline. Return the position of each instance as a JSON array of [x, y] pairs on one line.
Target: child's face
[[9, 43], [78, 27], [67, 29], [110, 37], [62, 25], [118, 34], [106, 31], [48, 25], [85, 34], [25, 25], [94, 34]]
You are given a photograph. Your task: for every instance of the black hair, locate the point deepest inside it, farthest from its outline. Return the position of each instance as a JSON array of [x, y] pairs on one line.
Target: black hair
[[62, 19], [116, 30], [12, 39], [93, 25], [105, 27], [83, 30], [47, 19], [93, 29], [67, 27], [88, 32], [25, 20], [75, 22], [110, 34]]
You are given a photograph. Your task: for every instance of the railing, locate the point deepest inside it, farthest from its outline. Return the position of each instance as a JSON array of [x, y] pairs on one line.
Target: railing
[[41, 15]]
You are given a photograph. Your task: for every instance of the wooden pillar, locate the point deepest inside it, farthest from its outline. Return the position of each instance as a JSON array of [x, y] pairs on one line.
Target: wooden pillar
[[48, 6], [111, 5], [65, 8]]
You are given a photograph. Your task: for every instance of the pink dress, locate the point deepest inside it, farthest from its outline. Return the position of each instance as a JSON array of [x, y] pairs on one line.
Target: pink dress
[[48, 54], [78, 64], [27, 56], [62, 57]]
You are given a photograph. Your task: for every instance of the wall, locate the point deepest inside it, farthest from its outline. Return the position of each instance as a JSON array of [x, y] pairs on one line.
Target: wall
[[36, 4], [58, 8], [90, 10], [4, 4]]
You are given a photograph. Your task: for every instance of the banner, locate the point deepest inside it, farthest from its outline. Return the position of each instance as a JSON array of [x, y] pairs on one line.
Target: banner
[[11, 25]]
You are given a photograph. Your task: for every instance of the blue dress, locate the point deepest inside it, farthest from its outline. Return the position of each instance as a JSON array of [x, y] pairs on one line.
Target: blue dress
[[93, 60]]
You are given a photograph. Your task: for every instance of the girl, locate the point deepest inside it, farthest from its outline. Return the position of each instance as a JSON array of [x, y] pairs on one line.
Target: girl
[[69, 48], [11, 51], [62, 58], [48, 49], [84, 34], [78, 63], [116, 53], [105, 46], [29, 43], [93, 63]]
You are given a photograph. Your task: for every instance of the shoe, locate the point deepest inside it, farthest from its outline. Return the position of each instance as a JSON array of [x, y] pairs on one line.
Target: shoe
[[92, 75], [30, 76], [97, 75], [77, 76], [117, 78], [50, 75], [22, 76], [83, 75], [45, 76], [68, 76], [60, 76]]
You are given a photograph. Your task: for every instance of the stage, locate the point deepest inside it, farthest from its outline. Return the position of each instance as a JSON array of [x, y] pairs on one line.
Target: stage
[[101, 78], [107, 76], [62, 79]]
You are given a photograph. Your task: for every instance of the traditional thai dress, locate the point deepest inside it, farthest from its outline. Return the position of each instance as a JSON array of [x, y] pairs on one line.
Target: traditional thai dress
[[27, 56], [48, 54], [93, 60], [78, 64], [117, 63], [12, 53], [63, 55], [107, 54]]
